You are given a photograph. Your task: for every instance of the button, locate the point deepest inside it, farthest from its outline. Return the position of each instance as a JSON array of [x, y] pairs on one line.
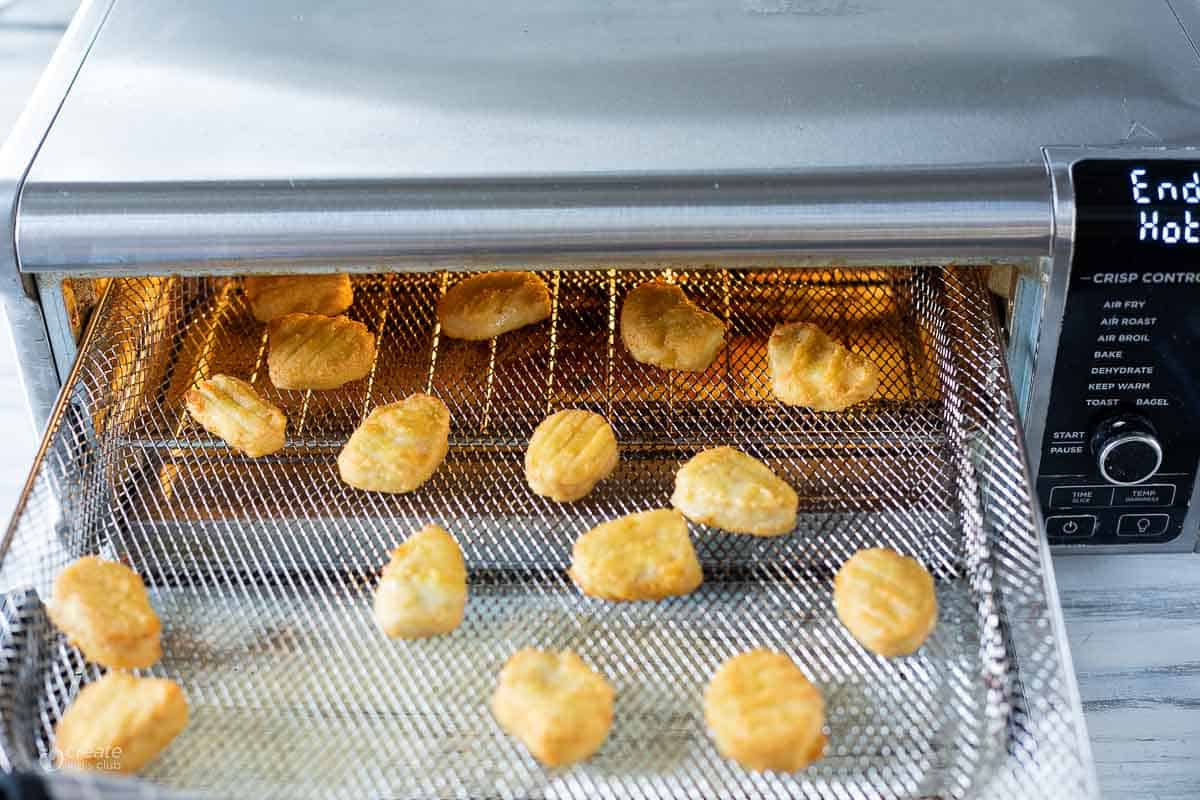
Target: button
[[1127, 450], [1130, 459], [1143, 524], [1148, 494], [1078, 526], [1081, 496]]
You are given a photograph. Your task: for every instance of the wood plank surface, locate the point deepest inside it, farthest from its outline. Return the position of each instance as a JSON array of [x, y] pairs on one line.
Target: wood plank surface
[[1134, 626]]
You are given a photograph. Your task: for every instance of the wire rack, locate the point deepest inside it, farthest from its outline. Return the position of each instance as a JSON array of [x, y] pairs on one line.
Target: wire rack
[[262, 570]]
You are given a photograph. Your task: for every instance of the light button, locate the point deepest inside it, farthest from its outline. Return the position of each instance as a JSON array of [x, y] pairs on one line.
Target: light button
[[1143, 524]]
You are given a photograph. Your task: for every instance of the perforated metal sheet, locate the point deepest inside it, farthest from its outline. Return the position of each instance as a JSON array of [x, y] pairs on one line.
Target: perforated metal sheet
[[262, 570]]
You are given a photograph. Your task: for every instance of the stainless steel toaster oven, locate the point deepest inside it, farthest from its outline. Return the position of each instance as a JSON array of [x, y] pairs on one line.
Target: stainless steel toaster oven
[[998, 204]]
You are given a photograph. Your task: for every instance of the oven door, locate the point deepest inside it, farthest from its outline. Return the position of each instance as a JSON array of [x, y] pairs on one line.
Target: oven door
[[262, 570]]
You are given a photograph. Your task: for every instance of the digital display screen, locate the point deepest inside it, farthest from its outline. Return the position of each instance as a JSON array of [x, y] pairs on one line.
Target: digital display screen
[[1164, 200]]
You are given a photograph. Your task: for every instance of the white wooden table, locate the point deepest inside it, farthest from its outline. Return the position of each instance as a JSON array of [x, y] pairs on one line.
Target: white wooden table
[[1133, 621], [1134, 626]]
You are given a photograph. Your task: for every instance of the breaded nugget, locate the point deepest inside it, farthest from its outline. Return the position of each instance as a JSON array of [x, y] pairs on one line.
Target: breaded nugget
[[764, 713], [120, 723], [810, 369], [569, 453], [398, 446], [660, 326], [423, 590], [886, 601], [273, 296], [487, 305], [644, 556], [230, 408], [309, 351], [103, 609], [555, 704], [728, 489]]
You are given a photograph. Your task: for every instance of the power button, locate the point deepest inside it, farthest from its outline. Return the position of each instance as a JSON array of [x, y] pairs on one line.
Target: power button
[[1076, 526]]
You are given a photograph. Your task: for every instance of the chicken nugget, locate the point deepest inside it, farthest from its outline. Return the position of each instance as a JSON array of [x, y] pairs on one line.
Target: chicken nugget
[[555, 704], [887, 601], [104, 610], [643, 556], [808, 368], [661, 326], [230, 408], [398, 446], [569, 453], [423, 591], [726, 488], [764, 713], [309, 351], [120, 723], [488, 305], [274, 296]]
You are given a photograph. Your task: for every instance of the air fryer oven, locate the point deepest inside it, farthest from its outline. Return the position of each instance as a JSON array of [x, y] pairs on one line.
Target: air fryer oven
[[939, 188]]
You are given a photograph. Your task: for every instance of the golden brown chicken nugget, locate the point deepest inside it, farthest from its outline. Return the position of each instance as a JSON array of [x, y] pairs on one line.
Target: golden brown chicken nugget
[[274, 296], [104, 610], [229, 408], [728, 489], [661, 326], [488, 305], [764, 713], [555, 704], [120, 723], [398, 446], [569, 453], [808, 368], [309, 351], [643, 556], [423, 591], [887, 601]]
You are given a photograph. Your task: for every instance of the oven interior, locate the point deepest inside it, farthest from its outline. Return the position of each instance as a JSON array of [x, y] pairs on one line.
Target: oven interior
[[262, 569]]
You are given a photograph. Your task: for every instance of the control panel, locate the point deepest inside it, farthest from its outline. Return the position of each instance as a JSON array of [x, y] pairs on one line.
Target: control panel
[[1121, 446]]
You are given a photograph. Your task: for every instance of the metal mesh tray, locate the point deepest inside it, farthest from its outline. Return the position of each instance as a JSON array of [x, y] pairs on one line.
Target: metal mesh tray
[[262, 570]]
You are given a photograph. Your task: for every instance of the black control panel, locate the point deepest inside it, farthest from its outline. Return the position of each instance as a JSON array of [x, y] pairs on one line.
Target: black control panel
[[1122, 442]]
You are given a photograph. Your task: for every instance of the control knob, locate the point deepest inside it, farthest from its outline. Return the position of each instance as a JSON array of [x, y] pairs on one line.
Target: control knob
[[1127, 449]]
